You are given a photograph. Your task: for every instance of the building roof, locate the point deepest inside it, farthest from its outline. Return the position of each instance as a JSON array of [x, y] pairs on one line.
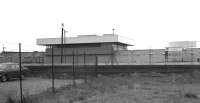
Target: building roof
[[82, 39]]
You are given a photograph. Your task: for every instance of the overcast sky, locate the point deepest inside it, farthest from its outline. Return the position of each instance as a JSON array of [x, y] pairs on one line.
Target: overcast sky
[[150, 23]]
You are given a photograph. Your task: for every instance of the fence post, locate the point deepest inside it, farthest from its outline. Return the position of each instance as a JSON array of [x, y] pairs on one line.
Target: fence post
[[73, 69], [85, 67], [52, 70], [96, 64], [20, 71]]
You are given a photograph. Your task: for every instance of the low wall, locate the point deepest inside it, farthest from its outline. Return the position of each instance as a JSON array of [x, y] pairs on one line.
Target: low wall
[[62, 70]]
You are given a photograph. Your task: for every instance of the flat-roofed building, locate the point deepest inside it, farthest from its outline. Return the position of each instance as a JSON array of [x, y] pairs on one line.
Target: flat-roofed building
[[94, 47]]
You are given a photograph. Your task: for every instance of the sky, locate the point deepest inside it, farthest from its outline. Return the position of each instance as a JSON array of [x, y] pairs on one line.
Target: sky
[[150, 23]]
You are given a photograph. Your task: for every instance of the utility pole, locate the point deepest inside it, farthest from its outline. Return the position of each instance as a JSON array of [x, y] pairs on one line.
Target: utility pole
[[4, 48], [113, 31], [62, 41]]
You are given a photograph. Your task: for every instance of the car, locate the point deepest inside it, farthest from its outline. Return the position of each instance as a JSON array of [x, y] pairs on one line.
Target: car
[[9, 71]]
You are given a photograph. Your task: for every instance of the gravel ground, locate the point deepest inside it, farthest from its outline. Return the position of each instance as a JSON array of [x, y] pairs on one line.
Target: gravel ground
[[30, 86]]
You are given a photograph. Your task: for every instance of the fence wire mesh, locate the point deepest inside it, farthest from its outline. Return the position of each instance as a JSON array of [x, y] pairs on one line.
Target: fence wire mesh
[[34, 76]]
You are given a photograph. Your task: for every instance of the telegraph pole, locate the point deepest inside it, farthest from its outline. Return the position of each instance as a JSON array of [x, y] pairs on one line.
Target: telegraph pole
[[4, 48], [113, 31], [62, 41]]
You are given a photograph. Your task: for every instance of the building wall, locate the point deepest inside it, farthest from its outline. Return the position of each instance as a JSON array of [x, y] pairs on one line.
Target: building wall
[[79, 59], [140, 56], [157, 56], [102, 51], [191, 55], [27, 57], [104, 56]]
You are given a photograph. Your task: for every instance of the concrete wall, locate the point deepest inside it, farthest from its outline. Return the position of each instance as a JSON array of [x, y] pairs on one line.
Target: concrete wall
[[89, 59], [27, 57], [191, 55], [140, 56], [156, 56], [103, 53], [124, 57]]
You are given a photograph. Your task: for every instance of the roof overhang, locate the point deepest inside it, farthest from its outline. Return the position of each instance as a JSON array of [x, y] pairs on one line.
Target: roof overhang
[[87, 39]]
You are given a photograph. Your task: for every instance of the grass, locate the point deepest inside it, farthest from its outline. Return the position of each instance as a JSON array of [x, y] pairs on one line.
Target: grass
[[30, 86], [124, 88]]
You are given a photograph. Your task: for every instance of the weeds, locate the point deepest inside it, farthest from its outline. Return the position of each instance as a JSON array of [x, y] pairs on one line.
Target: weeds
[[107, 86], [25, 99], [9, 99]]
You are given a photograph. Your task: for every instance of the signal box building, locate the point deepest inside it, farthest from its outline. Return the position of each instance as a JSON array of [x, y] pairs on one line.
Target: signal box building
[[88, 48]]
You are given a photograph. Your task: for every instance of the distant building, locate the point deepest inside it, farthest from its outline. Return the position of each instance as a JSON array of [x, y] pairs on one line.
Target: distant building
[[112, 49], [183, 51], [103, 48]]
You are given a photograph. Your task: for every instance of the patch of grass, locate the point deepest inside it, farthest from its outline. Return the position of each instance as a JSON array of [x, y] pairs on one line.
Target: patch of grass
[[25, 99], [125, 87]]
